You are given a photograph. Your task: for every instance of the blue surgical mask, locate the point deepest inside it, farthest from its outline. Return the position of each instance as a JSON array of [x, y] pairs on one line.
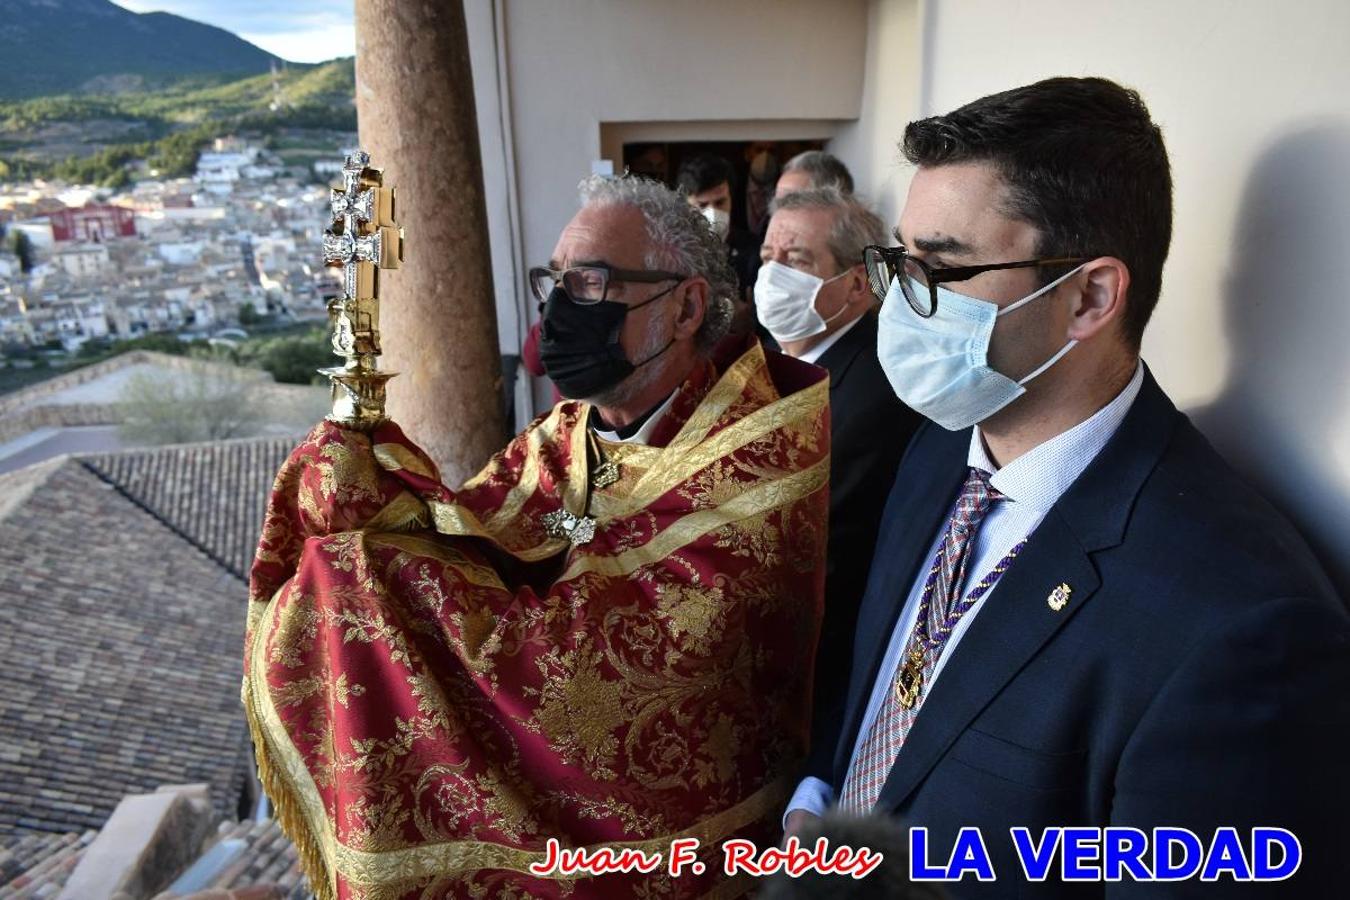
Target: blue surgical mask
[[939, 366]]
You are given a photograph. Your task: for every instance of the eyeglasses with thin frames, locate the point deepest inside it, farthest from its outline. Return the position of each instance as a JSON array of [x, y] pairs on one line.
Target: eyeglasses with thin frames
[[589, 284], [886, 264]]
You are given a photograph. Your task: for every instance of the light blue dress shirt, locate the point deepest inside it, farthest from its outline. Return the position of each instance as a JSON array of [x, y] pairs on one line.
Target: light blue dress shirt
[[1031, 485]]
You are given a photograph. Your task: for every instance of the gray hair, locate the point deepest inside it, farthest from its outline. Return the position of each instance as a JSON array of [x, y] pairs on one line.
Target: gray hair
[[680, 240], [826, 170], [855, 226]]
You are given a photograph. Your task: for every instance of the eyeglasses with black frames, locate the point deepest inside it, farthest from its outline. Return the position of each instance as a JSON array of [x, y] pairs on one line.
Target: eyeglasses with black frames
[[589, 284], [885, 264]]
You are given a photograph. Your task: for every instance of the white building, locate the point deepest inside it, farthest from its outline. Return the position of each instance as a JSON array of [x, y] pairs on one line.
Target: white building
[[224, 166], [180, 253], [85, 261], [39, 231]]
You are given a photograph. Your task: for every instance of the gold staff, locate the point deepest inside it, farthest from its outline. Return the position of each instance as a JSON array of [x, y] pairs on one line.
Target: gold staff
[[362, 240]]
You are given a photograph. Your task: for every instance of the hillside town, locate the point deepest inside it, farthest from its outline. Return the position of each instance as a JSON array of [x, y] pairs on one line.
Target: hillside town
[[194, 257], [118, 805]]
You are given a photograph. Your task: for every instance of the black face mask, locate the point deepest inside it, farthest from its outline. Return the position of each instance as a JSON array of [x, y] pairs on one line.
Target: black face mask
[[579, 345]]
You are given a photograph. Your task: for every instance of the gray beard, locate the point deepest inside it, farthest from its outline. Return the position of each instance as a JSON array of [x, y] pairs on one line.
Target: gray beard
[[625, 391]]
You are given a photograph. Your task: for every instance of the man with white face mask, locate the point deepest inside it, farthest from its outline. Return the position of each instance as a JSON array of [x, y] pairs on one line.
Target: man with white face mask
[[707, 182], [813, 297], [1076, 614]]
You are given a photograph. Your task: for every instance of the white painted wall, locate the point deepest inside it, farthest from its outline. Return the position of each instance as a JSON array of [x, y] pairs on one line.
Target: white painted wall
[[484, 24], [1254, 101], [891, 87]]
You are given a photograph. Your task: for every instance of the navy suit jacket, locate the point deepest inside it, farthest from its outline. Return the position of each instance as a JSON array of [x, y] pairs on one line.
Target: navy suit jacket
[[1199, 675], [869, 431]]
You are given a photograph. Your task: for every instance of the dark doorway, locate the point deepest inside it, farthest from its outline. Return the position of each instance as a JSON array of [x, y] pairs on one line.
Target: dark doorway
[[755, 164]]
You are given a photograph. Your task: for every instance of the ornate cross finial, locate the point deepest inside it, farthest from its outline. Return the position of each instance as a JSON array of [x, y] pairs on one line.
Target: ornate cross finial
[[362, 240]]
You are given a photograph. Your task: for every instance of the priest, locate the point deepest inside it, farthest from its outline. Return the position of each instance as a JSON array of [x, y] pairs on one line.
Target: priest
[[604, 638]]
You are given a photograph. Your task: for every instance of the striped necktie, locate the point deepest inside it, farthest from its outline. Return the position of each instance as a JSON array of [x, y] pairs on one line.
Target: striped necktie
[[940, 608]]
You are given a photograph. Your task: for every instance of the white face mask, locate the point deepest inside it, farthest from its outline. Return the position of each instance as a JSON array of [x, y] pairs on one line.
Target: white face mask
[[939, 366], [719, 219], [785, 302]]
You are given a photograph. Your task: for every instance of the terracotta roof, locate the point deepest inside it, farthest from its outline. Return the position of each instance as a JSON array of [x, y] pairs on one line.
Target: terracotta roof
[[121, 618], [36, 864], [212, 495], [120, 639], [261, 858], [254, 861]]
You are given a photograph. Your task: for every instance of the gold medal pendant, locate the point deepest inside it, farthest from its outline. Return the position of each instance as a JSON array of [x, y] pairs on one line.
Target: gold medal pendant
[[909, 683], [605, 474]]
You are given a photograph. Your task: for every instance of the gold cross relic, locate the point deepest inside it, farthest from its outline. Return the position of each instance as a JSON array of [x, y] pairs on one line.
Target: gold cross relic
[[362, 240]]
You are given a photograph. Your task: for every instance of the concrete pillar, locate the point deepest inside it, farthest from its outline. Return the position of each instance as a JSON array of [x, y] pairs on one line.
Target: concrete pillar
[[415, 106]]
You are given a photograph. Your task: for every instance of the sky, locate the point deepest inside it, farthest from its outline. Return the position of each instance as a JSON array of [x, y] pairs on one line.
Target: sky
[[297, 30]]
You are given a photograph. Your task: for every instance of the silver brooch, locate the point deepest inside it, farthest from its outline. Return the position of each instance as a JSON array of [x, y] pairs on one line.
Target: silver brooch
[[562, 524]]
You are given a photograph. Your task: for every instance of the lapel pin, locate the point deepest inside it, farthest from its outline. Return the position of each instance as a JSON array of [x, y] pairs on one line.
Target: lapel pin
[[1059, 597]]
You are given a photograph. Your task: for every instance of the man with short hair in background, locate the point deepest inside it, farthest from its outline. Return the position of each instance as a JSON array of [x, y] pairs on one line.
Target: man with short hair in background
[[814, 169], [1077, 613], [706, 182], [813, 297]]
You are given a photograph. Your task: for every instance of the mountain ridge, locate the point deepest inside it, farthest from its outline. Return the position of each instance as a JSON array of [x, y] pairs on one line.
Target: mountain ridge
[[74, 46]]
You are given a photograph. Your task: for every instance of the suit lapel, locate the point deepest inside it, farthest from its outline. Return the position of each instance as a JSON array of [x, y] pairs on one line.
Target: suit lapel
[[840, 358]]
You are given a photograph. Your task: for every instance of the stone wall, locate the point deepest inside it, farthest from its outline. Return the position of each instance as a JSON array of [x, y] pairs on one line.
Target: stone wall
[[34, 394], [37, 406]]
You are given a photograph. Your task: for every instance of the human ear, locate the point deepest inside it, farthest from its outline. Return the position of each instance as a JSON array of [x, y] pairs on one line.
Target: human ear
[[693, 307], [1101, 299], [859, 290]]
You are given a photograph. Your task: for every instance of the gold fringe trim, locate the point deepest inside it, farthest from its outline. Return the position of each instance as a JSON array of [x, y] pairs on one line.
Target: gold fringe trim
[[460, 857], [288, 812], [285, 804]]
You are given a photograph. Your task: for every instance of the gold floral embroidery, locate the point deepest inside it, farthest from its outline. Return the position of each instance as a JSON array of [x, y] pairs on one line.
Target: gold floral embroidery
[[347, 476], [296, 631], [579, 710], [633, 821], [342, 692], [691, 612]]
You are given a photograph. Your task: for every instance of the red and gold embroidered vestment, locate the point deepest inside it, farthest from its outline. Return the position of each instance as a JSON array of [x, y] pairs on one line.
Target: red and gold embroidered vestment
[[436, 686]]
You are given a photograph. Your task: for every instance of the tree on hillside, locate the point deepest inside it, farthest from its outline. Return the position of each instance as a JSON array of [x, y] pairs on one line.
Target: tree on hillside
[[291, 358], [194, 406], [22, 245]]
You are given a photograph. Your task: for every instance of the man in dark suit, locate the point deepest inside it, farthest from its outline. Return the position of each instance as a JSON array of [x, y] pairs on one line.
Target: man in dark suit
[[1077, 615], [813, 297]]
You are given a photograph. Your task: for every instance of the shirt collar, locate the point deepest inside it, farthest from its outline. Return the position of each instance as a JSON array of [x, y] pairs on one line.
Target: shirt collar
[[642, 435], [816, 352], [1039, 477]]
